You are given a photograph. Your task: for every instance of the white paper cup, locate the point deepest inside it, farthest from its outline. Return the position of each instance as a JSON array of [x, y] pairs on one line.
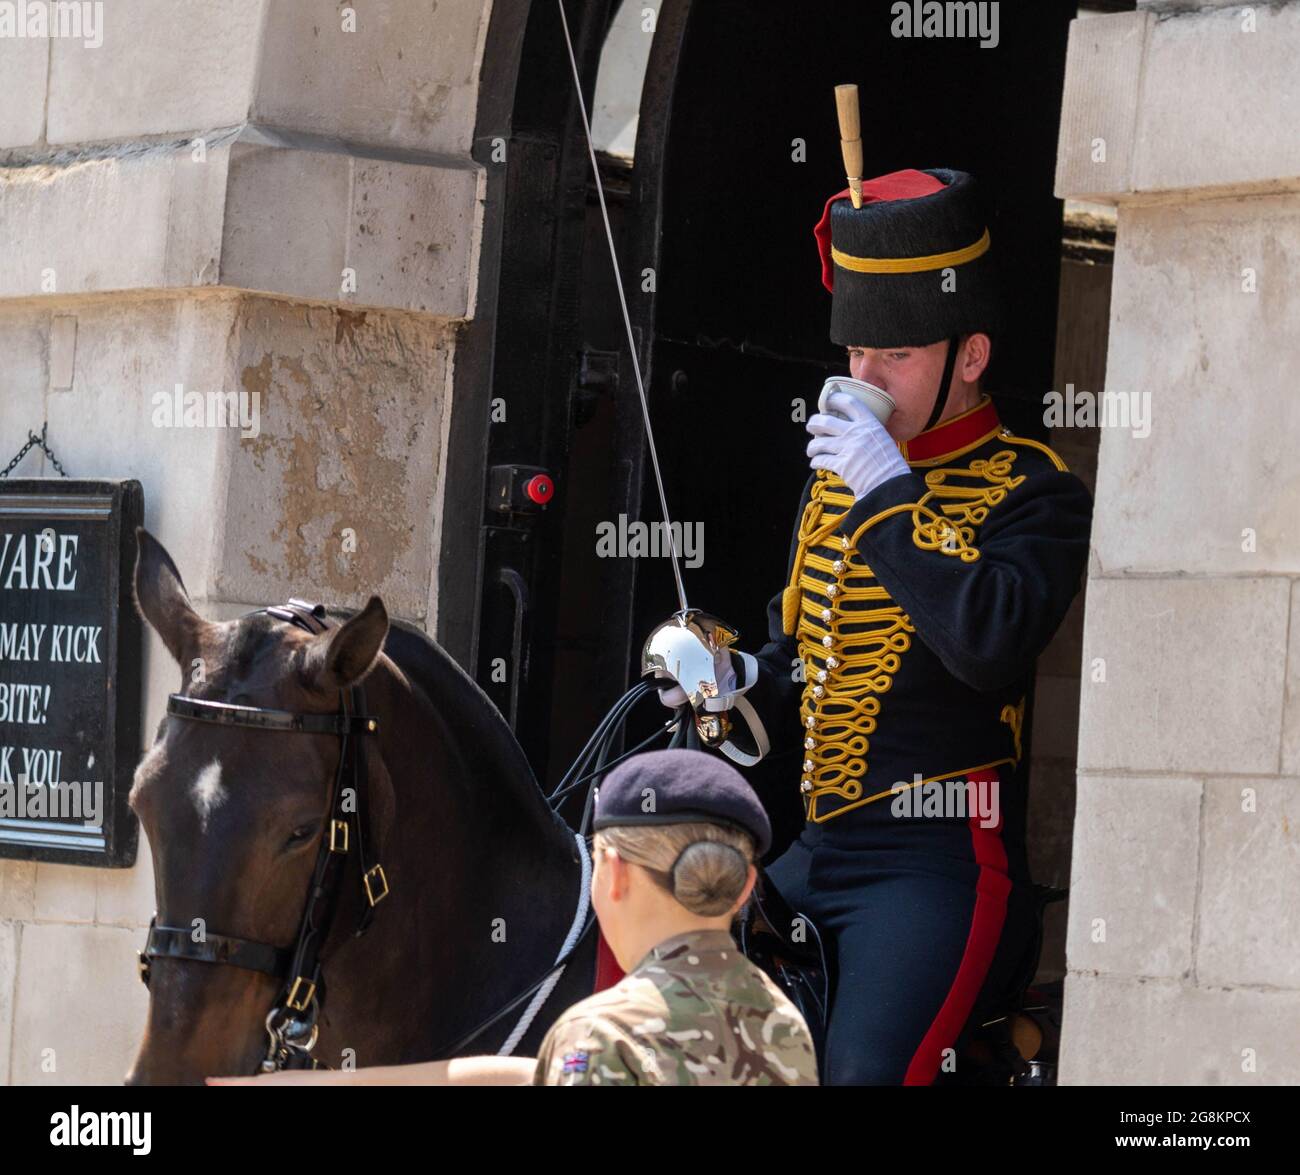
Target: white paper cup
[[877, 399]]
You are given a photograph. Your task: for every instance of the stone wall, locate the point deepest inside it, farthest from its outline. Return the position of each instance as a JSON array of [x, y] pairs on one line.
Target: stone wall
[[1183, 920], [243, 197]]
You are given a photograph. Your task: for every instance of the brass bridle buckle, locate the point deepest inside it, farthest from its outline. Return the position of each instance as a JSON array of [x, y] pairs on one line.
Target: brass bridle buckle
[[368, 878], [301, 994]]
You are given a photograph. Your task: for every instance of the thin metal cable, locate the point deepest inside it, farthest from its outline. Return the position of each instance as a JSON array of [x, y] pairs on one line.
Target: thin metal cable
[[622, 299]]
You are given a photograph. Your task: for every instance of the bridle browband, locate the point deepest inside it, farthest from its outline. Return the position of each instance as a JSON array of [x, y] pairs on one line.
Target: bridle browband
[[291, 1023], [227, 714]]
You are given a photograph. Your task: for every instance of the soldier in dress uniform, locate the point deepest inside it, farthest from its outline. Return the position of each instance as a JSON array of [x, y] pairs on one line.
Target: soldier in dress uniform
[[676, 836], [933, 558]]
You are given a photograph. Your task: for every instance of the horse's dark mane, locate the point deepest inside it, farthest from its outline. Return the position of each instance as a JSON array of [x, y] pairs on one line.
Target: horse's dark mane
[[459, 698], [461, 703]]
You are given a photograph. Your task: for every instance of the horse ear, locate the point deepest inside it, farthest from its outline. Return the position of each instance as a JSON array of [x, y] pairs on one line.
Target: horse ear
[[343, 656], [161, 598]]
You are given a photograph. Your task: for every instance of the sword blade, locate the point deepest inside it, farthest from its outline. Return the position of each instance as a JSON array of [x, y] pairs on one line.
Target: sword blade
[[627, 320]]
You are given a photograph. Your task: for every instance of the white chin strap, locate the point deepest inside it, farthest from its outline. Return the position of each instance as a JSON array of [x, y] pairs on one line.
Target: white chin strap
[[739, 705]]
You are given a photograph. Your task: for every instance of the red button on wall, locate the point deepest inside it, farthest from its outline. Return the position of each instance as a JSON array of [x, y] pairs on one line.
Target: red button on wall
[[540, 489]]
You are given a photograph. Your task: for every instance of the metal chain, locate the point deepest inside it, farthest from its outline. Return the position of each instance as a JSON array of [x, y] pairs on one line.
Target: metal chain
[[34, 441]]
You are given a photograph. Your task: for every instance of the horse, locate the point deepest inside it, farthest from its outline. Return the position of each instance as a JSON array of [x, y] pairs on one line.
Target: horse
[[483, 884]]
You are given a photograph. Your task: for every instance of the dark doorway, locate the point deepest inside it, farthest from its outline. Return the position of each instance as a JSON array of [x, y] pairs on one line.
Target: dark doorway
[[737, 152], [719, 206]]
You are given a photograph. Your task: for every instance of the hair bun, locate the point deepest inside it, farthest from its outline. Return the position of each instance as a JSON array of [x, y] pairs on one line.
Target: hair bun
[[708, 877]]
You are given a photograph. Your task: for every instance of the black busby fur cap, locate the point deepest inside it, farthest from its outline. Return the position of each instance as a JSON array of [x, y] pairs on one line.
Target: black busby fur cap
[[950, 296]]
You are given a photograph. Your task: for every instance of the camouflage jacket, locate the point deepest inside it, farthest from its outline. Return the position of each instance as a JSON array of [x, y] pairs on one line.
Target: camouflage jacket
[[694, 1011]]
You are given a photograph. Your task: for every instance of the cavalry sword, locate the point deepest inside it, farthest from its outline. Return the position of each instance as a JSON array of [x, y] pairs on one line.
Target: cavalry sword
[[683, 647]]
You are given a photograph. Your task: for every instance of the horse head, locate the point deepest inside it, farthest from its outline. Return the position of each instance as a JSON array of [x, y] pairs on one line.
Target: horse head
[[235, 815], [486, 879]]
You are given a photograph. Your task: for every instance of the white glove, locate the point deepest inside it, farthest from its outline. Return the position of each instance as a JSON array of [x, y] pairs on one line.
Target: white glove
[[724, 673], [858, 449]]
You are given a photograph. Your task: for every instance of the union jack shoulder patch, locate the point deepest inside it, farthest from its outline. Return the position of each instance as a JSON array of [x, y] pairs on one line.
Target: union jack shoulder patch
[[576, 1061]]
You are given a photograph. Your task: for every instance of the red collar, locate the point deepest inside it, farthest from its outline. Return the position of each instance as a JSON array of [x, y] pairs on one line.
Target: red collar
[[957, 432]]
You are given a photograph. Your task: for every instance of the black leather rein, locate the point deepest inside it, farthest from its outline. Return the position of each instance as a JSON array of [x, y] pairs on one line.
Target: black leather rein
[[291, 1022]]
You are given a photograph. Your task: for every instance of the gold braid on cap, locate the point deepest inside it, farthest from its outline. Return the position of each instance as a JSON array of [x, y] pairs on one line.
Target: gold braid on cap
[[911, 264]]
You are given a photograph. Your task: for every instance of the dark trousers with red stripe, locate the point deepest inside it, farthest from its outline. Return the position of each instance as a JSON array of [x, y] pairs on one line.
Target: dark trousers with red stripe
[[926, 928]]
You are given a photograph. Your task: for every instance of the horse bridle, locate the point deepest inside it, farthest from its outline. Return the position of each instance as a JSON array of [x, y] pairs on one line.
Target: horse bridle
[[291, 1024]]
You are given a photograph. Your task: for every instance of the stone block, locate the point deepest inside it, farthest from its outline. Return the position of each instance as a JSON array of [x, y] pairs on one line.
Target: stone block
[[1119, 1031], [411, 236], [1249, 915], [1133, 875], [70, 977], [24, 65], [296, 219], [131, 353], [23, 340], [1211, 488], [64, 893], [1184, 100], [350, 441], [287, 221], [143, 219], [163, 68], [125, 897], [1193, 675], [407, 76], [1103, 72], [244, 215], [17, 890], [1220, 101]]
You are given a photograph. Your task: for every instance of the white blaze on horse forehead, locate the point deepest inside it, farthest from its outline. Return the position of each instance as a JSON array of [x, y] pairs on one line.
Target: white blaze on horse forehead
[[207, 793]]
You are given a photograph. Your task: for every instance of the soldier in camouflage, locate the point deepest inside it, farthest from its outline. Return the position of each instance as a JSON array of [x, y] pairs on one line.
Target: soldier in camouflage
[[677, 834], [694, 1011]]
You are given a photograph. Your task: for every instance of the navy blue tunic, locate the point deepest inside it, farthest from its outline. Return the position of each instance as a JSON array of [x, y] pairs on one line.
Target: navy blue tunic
[[899, 661]]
